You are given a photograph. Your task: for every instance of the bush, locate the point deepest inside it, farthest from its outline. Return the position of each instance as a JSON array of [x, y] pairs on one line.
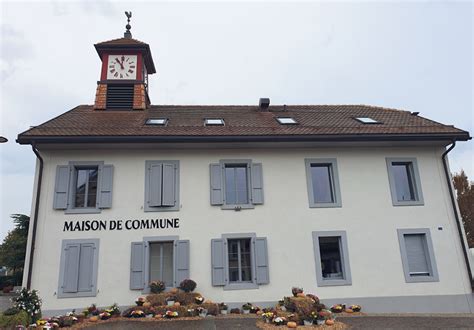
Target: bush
[[29, 302], [11, 311], [157, 286], [187, 285], [11, 321]]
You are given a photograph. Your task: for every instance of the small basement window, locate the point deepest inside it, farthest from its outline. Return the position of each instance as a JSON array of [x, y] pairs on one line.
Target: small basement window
[[367, 120], [157, 121], [286, 120], [214, 122]]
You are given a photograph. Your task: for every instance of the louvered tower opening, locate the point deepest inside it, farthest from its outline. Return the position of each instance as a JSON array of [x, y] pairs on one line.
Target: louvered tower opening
[[120, 97]]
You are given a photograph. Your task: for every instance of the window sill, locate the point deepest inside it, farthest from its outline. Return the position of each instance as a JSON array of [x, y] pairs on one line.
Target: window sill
[[419, 279], [408, 203], [241, 286], [161, 209], [83, 211], [324, 205], [77, 295], [238, 207], [334, 282]]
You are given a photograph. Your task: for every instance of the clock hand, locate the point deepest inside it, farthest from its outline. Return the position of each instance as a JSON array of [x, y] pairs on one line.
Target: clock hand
[[121, 63]]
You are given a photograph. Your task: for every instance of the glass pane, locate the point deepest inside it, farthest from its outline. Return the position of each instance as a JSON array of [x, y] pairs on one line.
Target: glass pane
[[241, 185], [168, 264], [322, 187], [403, 181], [161, 262], [230, 194], [80, 193], [92, 189], [245, 260], [331, 262], [155, 262]]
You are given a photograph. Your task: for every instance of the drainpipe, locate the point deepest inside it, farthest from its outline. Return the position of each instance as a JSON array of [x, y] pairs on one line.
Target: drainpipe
[[456, 215], [35, 217]]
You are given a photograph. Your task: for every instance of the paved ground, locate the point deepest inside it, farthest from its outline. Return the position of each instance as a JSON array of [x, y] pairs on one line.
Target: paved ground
[[368, 322], [5, 302]]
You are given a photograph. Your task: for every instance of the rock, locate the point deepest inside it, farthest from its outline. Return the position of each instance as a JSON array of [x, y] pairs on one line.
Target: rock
[[94, 318], [291, 324]]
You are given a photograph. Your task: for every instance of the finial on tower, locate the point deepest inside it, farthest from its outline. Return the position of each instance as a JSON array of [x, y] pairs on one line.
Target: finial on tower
[[127, 33]]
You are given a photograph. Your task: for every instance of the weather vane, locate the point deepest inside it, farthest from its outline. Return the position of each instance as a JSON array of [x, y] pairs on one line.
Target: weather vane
[[127, 33]]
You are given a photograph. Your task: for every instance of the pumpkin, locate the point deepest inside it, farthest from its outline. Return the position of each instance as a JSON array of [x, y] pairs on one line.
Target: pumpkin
[[94, 318], [301, 295], [348, 310], [158, 316], [329, 322], [174, 290], [291, 324], [259, 312], [147, 304], [177, 303]]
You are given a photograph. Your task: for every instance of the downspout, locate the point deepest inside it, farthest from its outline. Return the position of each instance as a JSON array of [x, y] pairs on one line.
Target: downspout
[[456, 215], [35, 217]]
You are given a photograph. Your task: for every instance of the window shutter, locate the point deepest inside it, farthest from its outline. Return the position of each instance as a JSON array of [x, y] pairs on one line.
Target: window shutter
[[137, 265], [86, 264], [61, 187], [218, 262], [182, 261], [155, 176], [105, 195], [257, 184], [71, 269], [261, 261], [169, 183], [216, 185], [416, 254]]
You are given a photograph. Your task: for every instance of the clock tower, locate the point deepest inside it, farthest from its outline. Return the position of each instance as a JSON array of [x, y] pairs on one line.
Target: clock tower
[[126, 64]]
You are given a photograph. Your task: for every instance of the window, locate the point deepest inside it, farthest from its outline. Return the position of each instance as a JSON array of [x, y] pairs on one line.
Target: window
[[404, 180], [83, 187], [236, 184], [239, 261], [164, 258], [161, 262], [332, 258], [323, 183], [367, 120], [214, 122], [286, 120], [157, 121], [417, 254], [78, 268], [161, 185]]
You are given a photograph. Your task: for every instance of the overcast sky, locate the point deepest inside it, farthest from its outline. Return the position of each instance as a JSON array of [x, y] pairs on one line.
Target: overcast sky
[[415, 56]]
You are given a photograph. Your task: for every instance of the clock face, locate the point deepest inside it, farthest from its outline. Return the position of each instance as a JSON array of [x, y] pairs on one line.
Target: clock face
[[122, 67]]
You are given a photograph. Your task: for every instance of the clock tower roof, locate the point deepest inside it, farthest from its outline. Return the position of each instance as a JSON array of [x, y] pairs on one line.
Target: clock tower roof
[[128, 44]]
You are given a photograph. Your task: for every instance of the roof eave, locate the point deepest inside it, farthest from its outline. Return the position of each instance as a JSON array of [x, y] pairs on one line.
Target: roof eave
[[30, 139]]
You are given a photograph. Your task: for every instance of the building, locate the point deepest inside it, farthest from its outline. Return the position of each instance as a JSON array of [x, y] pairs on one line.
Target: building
[[351, 202]]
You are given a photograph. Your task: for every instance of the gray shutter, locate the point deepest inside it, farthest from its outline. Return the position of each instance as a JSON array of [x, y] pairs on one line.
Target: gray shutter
[[216, 185], [71, 268], [105, 195], [169, 184], [137, 265], [61, 187], [182, 261], [257, 184], [86, 267], [416, 254], [218, 262], [154, 184], [261, 260]]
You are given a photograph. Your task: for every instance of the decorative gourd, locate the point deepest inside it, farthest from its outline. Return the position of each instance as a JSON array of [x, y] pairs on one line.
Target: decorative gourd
[[146, 304], [348, 310], [177, 303], [329, 322], [94, 318], [301, 295], [291, 324], [158, 316], [174, 290]]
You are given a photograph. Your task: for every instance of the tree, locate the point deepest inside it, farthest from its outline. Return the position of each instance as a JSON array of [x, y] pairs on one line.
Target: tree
[[13, 248], [465, 196]]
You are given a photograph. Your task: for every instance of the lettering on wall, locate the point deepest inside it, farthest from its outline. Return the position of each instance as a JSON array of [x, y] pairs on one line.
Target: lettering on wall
[[98, 225]]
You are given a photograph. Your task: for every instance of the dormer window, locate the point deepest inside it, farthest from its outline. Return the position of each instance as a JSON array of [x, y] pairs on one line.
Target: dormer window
[[286, 120], [157, 121], [367, 120], [214, 122]]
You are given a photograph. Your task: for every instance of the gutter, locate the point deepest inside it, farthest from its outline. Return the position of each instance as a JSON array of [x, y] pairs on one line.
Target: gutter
[[35, 217], [456, 215]]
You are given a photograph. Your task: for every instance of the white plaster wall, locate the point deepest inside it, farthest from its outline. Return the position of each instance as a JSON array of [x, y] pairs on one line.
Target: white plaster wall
[[367, 215]]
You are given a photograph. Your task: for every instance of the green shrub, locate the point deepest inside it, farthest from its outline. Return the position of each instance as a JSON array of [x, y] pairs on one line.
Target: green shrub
[[11, 321]]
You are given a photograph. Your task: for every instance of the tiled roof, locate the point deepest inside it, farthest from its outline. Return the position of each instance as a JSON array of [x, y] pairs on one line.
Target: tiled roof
[[242, 121], [121, 42]]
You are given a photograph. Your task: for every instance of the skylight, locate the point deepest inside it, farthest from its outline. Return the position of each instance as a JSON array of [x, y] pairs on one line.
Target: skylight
[[286, 120], [157, 121], [214, 122], [367, 120]]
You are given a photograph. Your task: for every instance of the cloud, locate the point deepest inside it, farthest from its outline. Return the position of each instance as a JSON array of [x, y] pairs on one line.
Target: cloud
[[14, 49]]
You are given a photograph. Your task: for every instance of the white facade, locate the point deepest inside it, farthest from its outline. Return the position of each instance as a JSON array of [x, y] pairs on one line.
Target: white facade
[[367, 215]]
